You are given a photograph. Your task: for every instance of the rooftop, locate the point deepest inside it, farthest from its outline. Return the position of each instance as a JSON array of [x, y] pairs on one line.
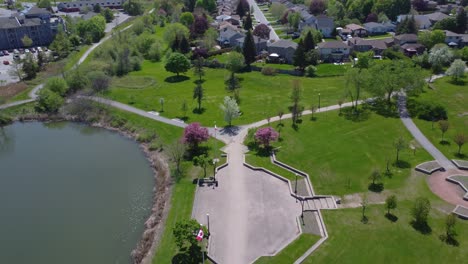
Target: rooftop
[[332, 45]]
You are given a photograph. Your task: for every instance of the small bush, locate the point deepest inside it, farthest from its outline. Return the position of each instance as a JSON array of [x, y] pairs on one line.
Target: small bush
[[5, 120], [269, 71], [310, 71], [426, 111], [118, 121], [146, 136]]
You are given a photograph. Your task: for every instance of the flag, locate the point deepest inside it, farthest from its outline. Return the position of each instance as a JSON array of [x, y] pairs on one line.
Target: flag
[[200, 235]]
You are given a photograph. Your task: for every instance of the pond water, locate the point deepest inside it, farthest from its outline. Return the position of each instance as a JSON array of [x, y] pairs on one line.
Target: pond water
[[70, 194]]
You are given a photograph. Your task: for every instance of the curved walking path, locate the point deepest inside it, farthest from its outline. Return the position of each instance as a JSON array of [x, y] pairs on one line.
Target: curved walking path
[[419, 136], [33, 93]]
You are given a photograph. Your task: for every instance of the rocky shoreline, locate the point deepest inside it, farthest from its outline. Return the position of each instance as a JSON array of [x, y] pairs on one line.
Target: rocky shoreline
[[145, 248]]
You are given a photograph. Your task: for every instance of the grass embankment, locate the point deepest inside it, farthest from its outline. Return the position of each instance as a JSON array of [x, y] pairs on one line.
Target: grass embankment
[[454, 98], [271, 91], [74, 57], [340, 154], [292, 252]]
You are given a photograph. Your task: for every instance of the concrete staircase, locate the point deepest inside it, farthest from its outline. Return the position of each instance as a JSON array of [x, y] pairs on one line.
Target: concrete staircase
[[320, 202]]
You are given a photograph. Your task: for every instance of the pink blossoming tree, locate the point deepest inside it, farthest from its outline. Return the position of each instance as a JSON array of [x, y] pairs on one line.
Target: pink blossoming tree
[[194, 134], [266, 135]]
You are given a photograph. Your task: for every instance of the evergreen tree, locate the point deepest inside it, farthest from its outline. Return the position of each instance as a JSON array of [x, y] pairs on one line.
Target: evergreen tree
[[299, 58], [461, 21], [198, 94], [309, 43], [249, 48], [176, 44], [248, 22], [241, 8], [184, 45]]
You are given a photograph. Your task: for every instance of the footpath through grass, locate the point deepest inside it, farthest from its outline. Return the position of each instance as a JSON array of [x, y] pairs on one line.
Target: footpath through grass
[[292, 252], [340, 154], [261, 96], [454, 98]]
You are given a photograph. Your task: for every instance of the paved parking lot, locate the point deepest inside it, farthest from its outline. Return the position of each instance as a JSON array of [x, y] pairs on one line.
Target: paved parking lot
[[5, 77]]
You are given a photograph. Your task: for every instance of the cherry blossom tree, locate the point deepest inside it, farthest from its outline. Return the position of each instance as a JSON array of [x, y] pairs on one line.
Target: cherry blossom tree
[[266, 135], [195, 134]]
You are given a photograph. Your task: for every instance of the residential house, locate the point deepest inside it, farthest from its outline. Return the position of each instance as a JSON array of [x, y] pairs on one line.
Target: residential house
[[411, 49], [405, 38], [356, 30], [284, 48], [375, 45], [76, 6], [464, 40], [422, 21], [260, 44], [333, 51], [326, 25], [452, 39], [228, 37], [374, 28], [36, 23], [436, 17]]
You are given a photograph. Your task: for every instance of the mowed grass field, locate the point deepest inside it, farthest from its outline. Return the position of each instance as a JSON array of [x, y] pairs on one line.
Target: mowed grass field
[[339, 154], [261, 96], [455, 100]]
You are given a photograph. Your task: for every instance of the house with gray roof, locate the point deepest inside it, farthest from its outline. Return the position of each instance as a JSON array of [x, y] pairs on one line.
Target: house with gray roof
[[436, 17], [228, 37], [260, 44], [422, 21], [76, 6], [325, 25], [333, 51], [376, 45], [36, 23], [284, 48], [374, 28]]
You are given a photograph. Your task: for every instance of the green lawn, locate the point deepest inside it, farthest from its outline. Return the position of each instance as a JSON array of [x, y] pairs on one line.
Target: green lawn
[[339, 154], [292, 252], [384, 241], [264, 162], [330, 69], [271, 91], [455, 100]]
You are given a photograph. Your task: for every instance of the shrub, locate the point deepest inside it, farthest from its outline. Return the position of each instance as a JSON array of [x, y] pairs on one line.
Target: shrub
[[5, 120], [310, 71], [118, 121], [57, 85], [426, 111], [48, 101], [146, 136], [269, 71]]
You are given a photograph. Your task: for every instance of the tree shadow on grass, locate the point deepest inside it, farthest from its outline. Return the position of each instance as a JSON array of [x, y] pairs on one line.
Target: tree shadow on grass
[[358, 115], [364, 219], [402, 164], [191, 153], [376, 187], [457, 82], [183, 118], [176, 79], [391, 217], [423, 227], [191, 256], [383, 108], [449, 240], [230, 130], [444, 142], [199, 111], [459, 155]]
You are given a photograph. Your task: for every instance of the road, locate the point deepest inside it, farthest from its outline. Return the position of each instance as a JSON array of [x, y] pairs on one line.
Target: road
[[260, 17]]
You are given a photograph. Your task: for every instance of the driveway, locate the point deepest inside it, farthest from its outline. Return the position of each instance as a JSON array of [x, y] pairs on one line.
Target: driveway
[[260, 17]]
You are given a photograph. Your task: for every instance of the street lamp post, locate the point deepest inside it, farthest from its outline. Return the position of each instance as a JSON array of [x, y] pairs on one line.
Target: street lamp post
[[295, 188], [319, 103]]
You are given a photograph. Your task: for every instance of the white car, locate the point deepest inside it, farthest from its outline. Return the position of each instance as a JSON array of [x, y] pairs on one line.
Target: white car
[[26, 51]]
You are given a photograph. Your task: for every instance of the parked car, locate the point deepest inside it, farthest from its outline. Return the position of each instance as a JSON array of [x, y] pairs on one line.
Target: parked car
[[21, 51], [6, 62], [26, 51], [39, 49], [16, 57], [33, 50], [1, 53], [6, 52], [15, 51]]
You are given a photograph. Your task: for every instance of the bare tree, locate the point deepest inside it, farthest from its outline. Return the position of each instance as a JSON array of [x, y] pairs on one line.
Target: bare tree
[[399, 144], [443, 126], [176, 151], [16, 69], [460, 140], [280, 114]]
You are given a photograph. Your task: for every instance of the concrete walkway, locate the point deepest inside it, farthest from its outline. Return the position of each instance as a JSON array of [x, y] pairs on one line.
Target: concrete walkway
[[419, 136]]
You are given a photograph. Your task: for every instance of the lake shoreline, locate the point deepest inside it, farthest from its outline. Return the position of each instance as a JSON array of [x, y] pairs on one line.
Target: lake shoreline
[[154, 225]]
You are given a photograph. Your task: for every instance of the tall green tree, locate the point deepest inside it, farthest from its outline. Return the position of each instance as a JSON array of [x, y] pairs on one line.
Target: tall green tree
[[198, 94], [391, 203], [249, 49], [461, 21], [177, 63], [299, 58], [248, 22], [296, 97], [309, 43], [399, 144], [29, 67], [420, 210], [357, 81]]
